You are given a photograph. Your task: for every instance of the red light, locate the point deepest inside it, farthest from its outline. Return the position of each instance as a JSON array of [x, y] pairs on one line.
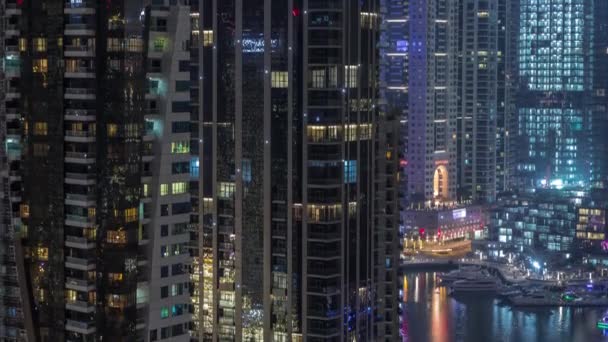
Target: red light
[[19, 2], [295, 12], [421, 231], [403, 163], [438, 232]]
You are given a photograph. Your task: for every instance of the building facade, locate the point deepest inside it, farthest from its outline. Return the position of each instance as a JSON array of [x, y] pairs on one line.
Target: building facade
[[98, 206], [288, 166], [477, 129], [432, 109], [556, 72]]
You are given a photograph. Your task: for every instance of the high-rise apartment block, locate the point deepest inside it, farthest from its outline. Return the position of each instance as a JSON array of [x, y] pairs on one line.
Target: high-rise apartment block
[[206, 170], [556, 73], [294, 245]]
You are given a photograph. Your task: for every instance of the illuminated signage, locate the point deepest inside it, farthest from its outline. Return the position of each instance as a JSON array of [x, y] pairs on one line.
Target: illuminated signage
[[256, 45], [459, 213]]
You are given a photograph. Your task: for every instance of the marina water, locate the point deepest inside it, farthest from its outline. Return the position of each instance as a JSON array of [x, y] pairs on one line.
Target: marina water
[[431, 315]]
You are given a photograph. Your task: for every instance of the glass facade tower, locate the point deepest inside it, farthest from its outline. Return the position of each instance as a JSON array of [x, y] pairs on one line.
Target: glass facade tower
[[556, 70]]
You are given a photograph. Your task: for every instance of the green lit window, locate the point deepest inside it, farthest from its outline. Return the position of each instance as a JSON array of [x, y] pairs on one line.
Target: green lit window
[[164, 189], [180, 147], [164, 312], [179, 188]]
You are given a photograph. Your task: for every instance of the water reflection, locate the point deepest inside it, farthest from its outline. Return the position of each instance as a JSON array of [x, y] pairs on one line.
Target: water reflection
[[431, 315]]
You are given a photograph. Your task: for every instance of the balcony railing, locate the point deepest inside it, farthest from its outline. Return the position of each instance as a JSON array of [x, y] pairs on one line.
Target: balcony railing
[[81, 155], [82, 134]]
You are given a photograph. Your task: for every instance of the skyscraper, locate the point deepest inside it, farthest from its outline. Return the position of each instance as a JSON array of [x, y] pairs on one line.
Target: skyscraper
[[291, 228], [556, 71], [478, 100], [432, 111], [96, 203]]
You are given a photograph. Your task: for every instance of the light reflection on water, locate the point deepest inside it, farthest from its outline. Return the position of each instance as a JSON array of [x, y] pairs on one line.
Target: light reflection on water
[[430, 315]]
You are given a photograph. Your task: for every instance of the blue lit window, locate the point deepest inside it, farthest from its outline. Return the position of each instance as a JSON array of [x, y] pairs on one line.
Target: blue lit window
[[350, 171], [246, 170], [194, 167]]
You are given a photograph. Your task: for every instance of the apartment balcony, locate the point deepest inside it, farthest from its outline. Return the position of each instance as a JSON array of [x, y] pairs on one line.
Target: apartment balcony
[[79, 94], [80, 115], [159, 11], [13, 133], [12, 93], [14, 176], [79, 242], [12, 9], [80, 178], [79, 284], [80, 306], [80, 136], [80, 157], [85, 328], [79, 30], [11, 31], [78, 51], [12, 114], [81, 264], [81, 200], [79, 73], [84, 7]]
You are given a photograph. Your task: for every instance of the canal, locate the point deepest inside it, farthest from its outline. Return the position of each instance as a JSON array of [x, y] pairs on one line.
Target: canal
[[430, 315]]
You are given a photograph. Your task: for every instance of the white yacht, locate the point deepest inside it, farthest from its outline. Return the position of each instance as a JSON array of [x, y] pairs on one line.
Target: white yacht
[[477, 284], [464, 272]]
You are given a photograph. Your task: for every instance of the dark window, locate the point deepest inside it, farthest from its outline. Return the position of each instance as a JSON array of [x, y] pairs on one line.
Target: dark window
[[180, 127], [164, 210], [182, 85], [164, 271], [176, 269], [184, 66], [164, 333], [153, 336], [180, 107], [180, 167], [181, 208], [164, 292], [164, 230]]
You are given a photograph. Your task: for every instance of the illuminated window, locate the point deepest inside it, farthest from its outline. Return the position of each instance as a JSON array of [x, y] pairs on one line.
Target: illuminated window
[[40, 128], [115, 278], [40, 65], [146, 190], [351, 132], [279, 79], [350, 76], [114, 44], [179, 188], [131, 215], [164, 312], [180, 146], [24, 211], [135, 45], [207, 38], [112, 130], [22, 44], [368, 20], [117, 236], [164, 189], [160, 43], [41, 253], [226, 190], [350, 171], [39, 44], [318, 78], [116, 301], [71, 296]]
